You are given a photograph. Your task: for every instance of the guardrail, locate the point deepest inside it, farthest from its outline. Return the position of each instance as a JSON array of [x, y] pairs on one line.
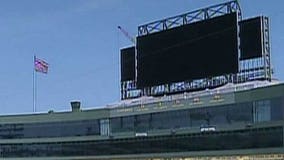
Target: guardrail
[[188, 95]]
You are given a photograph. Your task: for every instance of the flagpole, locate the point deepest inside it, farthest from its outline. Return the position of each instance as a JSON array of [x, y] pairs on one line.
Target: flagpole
[[42, 67], [34, 86]]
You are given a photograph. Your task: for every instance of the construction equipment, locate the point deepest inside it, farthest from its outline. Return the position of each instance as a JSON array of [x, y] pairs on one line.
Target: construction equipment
[[127, 35]]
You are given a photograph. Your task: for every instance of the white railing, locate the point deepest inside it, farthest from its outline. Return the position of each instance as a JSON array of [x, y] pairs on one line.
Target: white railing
[[229, 88]]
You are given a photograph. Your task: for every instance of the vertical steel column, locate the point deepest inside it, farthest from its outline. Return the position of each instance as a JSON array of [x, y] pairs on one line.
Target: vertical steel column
[[266, 48]]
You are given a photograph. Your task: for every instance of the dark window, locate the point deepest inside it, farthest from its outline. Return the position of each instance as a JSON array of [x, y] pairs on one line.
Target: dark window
[[249, 112], [170, 120], [122, 124], [52, 129], [142, 123], [128, 123], [277, 109], [219, 115], [199, 117], [160, 121], [262, 111], [240, 113], [116, 124]]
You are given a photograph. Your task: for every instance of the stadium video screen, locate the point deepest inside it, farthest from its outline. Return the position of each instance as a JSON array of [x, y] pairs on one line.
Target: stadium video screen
[[198, 50], [251, 38], [127, 59]]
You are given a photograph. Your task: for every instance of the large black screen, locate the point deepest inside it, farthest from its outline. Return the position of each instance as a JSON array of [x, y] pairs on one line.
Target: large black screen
[[127, 59], [251, 38], [198, 50]]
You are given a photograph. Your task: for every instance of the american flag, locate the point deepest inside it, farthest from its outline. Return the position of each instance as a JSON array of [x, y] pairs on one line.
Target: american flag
[[40, 65]]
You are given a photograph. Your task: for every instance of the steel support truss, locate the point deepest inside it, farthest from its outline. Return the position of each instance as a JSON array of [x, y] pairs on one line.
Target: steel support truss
[[266, 49], [190, 17]]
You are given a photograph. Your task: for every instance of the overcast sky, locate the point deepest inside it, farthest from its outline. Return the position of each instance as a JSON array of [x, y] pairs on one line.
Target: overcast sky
[[80, 41]]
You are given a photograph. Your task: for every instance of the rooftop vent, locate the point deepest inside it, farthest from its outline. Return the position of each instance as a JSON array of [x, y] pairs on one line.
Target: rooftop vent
[[75, 105]]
